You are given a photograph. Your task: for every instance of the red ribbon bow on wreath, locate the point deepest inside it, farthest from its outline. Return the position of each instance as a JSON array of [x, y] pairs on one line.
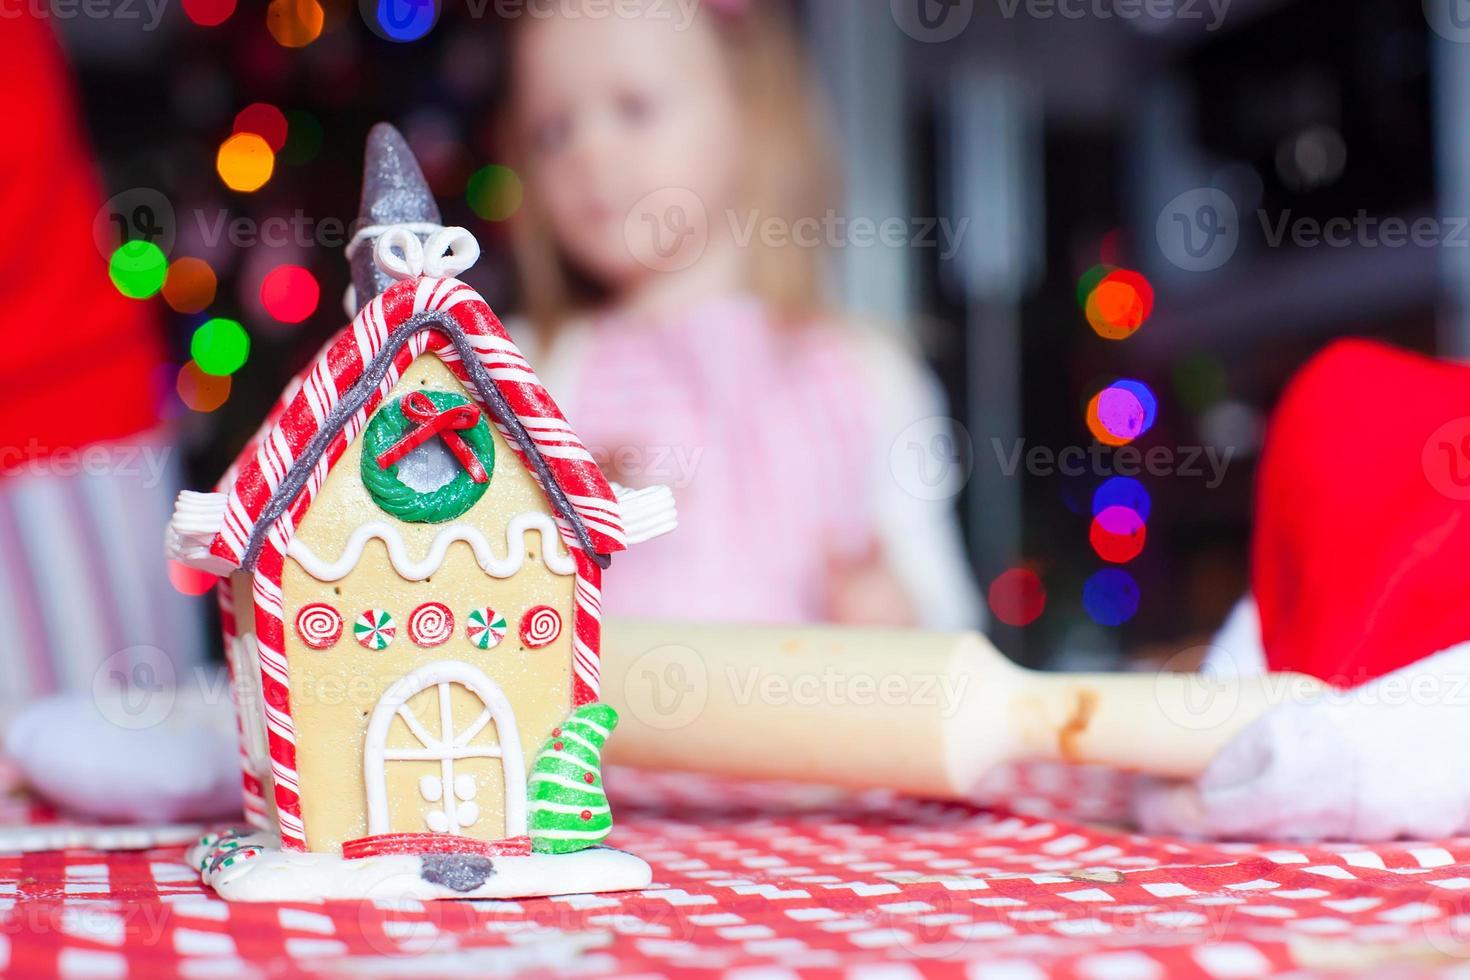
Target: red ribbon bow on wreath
[[431, 422]]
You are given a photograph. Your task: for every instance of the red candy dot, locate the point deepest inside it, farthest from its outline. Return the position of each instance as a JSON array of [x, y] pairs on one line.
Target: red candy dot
[[556, 731], [586, 814], [557, 746], [589, 777]]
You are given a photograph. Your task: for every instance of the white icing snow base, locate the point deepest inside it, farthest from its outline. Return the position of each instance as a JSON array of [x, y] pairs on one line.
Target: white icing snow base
[[268, 874]]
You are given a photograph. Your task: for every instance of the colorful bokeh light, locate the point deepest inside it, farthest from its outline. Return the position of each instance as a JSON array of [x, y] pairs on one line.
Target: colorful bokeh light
[[1017, 597], [209, 13], [245, 162], [220, 346], [494, 192], [1118, 535], [189, 581], [190, 286], [138, 269], [199, 391], [290, 293], [1200, 381], [398, 21], [1118, 304], [1102, 430], [304, 138], [1089, 281], [265, 121], [1110, 597], [1145, 397], [294, 23], [1122, 491]]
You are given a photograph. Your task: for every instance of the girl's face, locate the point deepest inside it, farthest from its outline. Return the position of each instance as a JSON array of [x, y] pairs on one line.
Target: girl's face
[[633, 132]]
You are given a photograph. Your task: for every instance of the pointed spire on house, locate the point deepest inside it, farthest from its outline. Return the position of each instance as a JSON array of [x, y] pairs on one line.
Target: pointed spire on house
[[394, 192]]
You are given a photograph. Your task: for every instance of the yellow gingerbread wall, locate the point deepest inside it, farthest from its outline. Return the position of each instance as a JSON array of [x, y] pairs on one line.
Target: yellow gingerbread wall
[[334, 691]]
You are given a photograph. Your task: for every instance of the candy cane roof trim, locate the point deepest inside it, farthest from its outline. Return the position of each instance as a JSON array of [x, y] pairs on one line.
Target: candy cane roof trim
[[279, 475]]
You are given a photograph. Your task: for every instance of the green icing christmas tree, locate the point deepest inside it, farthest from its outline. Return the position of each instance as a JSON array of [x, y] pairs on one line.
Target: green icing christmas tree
[[569, 810]]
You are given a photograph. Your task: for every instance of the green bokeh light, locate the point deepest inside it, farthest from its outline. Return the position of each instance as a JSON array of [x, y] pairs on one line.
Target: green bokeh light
[[1090, 280], [494, 192], [138, 269], [304, 136], [1201, 381], [220, 346]]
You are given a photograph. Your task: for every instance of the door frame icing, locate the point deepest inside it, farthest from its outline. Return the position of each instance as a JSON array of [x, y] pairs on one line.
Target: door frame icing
[[443, 673]]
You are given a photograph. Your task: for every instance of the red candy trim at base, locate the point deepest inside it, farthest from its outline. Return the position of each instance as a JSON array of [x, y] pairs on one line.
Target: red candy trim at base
[[366, 847]]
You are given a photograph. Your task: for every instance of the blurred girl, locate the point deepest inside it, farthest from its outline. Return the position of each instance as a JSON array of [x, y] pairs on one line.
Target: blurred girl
[[673, 173]]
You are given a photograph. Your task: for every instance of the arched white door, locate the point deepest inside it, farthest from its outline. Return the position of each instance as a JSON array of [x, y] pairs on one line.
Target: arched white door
[[449, 746]]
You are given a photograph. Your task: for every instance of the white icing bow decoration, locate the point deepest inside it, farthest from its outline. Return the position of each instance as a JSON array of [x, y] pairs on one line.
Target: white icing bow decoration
[[443, 255], [398, 253]]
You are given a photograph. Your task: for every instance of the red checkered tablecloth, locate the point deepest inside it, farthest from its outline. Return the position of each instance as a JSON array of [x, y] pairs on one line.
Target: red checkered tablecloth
[[761, 882]]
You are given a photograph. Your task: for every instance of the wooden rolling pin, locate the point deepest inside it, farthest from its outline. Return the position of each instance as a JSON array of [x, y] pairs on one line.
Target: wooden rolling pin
[[921, 712]]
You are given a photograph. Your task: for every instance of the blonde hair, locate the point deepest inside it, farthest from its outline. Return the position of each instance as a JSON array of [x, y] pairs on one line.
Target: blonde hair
[[791, 176]]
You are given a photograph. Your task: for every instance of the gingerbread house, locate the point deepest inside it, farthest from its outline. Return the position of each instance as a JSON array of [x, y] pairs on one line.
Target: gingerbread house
[[411, 553]]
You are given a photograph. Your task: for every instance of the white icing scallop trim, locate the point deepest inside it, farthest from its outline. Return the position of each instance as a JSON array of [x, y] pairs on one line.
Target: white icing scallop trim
[[647, 513], [557, 562]]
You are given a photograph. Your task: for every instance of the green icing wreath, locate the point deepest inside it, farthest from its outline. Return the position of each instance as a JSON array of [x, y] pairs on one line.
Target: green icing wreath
[[386, 428]]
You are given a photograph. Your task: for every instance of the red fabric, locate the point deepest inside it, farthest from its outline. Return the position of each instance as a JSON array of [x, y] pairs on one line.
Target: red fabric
[[768, 882], [1361, 559], [68, 334]]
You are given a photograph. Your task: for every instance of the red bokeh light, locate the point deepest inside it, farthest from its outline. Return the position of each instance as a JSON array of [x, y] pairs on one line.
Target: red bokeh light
[[265, 121], [290, 293], [189, 581], [1118, 535], [1017, 597], [209, 13]]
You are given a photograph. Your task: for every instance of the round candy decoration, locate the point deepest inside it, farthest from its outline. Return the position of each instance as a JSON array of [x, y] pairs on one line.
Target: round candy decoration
[[428, 456], [430, 624], [540, 627], [318, 625], [375, 629], [485, 627]]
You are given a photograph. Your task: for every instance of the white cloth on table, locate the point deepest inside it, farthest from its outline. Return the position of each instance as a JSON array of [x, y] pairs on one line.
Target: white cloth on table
[[1381, 761]]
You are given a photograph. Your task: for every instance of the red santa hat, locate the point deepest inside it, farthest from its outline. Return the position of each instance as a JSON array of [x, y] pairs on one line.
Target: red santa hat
[[1361, 557]]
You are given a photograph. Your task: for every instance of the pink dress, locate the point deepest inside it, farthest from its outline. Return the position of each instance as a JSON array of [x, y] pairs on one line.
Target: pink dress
[[773, 441]]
